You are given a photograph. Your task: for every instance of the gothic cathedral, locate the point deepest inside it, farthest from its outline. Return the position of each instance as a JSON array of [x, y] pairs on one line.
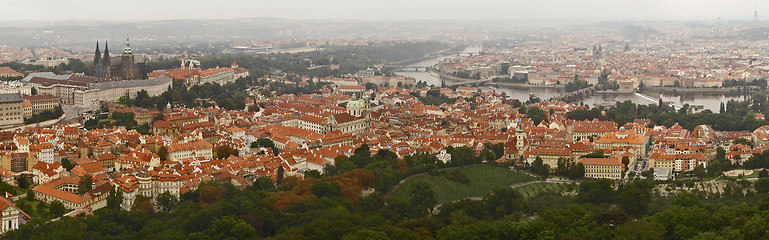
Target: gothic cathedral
[[118, 68]]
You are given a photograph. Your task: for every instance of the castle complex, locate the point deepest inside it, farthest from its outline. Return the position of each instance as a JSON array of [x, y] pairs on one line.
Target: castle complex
[[123, 67]]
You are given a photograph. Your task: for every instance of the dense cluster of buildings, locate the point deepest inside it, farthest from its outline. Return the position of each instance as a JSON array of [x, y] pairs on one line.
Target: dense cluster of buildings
[[310, 131], [681, 61], [191, 74]]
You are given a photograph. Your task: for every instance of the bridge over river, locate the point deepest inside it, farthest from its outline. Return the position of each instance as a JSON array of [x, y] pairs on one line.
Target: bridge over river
[[586, 92]]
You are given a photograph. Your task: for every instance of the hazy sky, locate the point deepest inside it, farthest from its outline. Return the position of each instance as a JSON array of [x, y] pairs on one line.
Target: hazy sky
[[383, 9]]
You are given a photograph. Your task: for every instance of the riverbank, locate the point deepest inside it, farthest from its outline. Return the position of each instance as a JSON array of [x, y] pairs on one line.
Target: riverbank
[[453, 78], [732, 90], [525, 86]]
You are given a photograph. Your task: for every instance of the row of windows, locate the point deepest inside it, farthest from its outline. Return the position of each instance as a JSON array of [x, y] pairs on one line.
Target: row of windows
[[10, 119], [601, 167], [602, 175]]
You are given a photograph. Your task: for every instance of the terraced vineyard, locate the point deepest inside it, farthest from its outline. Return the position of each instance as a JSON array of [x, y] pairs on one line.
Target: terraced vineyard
[[483, 179]]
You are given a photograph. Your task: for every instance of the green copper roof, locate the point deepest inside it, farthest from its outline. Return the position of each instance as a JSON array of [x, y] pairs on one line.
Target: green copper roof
[[127, 48]]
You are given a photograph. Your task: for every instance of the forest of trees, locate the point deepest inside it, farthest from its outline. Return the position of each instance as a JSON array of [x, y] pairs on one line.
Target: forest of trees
[[45, 115], [733, 116], [349, 58]]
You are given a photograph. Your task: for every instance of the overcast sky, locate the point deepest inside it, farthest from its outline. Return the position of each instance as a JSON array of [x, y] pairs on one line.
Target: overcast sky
[[383, 9]]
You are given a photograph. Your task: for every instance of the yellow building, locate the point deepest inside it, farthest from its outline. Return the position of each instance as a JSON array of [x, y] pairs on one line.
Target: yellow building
[[623, 138], [610, 168]]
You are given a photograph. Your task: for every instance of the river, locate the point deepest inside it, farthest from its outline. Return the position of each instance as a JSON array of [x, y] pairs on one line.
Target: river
[[710, 101]]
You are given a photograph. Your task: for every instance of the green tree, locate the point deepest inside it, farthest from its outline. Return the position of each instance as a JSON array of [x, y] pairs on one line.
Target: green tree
[[143, 205], [635, 201], [639, 230], [536, 114], [115, 199], [366, 234], [576, 171], [762, 185], [326, 189], [422, 197], [539, 168], [85, 184], [224, 151], [167, 201], [596, 191], [280, 175], [67, 164], [230, 228], [699, 171], [686, 199], [22, 182], [312, 174], [56, 209], [163, 153], [743, 141], [263, 183]]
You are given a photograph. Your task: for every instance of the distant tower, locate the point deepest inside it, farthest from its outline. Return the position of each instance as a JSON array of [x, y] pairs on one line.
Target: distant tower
[[106, 62], [97, 61], [755, 16], [127, 64]]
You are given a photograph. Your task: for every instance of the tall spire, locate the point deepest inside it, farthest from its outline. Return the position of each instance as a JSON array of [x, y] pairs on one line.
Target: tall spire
[[106, 50], [97, 61], [106, 62]]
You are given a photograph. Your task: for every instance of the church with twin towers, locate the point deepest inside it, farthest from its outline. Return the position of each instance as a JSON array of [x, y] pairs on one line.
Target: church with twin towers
[[123, 67]]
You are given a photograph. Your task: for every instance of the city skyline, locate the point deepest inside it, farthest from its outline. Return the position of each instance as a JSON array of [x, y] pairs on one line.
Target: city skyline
[[385, 10]]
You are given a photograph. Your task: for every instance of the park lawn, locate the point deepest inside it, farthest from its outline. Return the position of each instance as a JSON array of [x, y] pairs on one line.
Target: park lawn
[[538, 188], [483, 179], [13, 190], [35, 208]]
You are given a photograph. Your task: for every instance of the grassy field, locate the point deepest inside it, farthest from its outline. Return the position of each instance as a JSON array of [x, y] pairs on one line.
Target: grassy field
[[35, 208], [483, 178], [538, 188]]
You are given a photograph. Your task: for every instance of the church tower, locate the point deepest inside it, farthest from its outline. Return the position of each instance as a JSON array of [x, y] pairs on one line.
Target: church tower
[[106, 63], [366, 111], [354, 107], [97, 62], [127, 63]]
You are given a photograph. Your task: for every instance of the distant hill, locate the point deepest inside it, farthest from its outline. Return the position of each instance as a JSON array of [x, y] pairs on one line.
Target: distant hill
[[628, 30]]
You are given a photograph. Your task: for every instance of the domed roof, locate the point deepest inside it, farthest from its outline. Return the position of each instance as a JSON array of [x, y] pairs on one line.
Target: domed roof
[[354, 104]]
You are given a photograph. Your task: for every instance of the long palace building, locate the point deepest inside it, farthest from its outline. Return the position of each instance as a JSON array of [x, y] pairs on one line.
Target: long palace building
[[114, 77]]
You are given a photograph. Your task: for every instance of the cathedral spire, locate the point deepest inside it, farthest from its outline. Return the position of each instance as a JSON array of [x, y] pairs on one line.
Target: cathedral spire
[[97, 61], [106, 62]]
